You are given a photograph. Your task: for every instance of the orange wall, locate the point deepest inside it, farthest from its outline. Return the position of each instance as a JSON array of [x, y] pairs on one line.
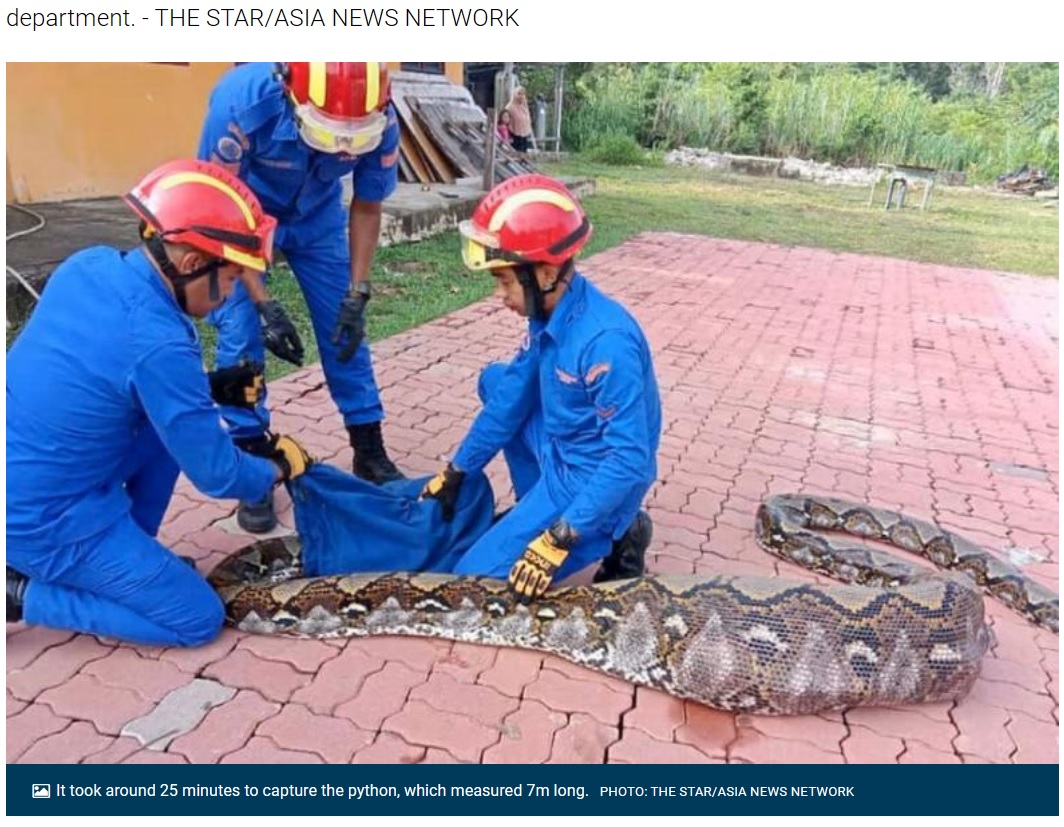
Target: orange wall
[[82, 130], [88, 130]]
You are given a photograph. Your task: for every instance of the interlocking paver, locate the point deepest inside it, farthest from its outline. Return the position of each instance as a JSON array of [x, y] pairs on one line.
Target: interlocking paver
[[32, 723], [71, 746], [754, 748], [225, 729], [272, 679], [576, 695], [297, 728], [54, 666], [26, 643], [447, 694], [264, 751], [655, 713], [527, 735], [382, 694], [462, 736], [584, 740], [338, 680], [389, 748], [466, 662], [928, 389], [303, 655], [513, 670], [1037, 741], [179, 712], [917, 752], [823, 731], [151, 679], [865, 746], [636, 747], [107, 707]]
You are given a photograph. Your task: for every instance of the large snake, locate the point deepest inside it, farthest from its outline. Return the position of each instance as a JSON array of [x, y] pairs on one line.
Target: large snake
[[894, 634]]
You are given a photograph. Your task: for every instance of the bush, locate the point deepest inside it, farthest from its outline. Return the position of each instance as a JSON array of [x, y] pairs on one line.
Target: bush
[[616, 150]]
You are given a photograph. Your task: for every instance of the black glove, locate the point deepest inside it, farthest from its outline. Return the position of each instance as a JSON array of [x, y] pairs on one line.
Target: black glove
[[279, 333], [444, 487], [238, 386], [350, 325]]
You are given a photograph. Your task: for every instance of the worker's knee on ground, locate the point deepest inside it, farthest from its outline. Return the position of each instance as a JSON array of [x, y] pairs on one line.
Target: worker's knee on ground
[[489, 380], [203, 623]]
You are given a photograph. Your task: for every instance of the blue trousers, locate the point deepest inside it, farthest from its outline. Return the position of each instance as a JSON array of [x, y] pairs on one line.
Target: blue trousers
[[122, 583], [323, 270], [494, 554]]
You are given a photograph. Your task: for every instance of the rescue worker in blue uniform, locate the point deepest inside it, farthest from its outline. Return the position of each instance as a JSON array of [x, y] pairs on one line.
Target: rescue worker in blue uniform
[[576, 412], [108, 400], [292, 131]]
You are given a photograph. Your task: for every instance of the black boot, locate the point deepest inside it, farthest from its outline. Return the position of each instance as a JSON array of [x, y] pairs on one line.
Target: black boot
[[257, 518], [371, 460], [627, 557], [16, 594]]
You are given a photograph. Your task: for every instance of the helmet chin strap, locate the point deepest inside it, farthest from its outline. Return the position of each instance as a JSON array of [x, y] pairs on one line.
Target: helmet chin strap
[[526, 277], [180, 281]]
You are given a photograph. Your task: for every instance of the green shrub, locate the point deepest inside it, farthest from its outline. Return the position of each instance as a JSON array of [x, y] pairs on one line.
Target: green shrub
[[616, 150]]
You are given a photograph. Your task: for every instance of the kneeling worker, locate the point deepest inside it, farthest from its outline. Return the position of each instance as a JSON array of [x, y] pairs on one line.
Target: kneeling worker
[[107, 400], [576, 412]]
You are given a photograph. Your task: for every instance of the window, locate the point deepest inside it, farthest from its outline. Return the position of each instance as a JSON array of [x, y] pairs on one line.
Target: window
[[427, 68]]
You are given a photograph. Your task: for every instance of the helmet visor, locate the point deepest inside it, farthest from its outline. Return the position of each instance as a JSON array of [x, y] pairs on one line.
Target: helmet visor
[[354, 136], [253, 250], [480, 250]]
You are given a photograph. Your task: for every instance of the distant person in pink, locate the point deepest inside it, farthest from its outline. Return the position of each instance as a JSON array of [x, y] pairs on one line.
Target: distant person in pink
[[502, 129]]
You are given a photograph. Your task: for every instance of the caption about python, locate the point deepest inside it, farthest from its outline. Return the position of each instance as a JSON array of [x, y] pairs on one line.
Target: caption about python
[[367, 791], [247, 17]]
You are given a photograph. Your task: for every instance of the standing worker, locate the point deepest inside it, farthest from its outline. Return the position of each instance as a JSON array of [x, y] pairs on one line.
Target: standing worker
[[292, 131], [576, 412], [107, 401]]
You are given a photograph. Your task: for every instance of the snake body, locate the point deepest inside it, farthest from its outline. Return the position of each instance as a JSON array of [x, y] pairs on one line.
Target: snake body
[[892, 633]]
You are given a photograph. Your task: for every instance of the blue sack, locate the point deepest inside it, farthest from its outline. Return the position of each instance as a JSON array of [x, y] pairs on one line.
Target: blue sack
[[349, 525]]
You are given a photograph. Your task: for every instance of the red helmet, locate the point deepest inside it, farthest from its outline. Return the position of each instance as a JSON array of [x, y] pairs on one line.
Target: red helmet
[[208, 208], [339, 107], [526, 219]]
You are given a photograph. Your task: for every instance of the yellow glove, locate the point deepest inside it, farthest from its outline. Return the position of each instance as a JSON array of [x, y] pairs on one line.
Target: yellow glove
[[534, 570], [444, 487], [290, 457]]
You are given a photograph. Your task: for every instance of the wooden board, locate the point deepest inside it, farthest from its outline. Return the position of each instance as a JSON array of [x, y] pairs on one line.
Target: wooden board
[[443, 131], [412, 155]]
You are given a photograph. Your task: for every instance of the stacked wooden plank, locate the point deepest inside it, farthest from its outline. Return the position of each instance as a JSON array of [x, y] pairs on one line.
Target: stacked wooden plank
[[443, 132]]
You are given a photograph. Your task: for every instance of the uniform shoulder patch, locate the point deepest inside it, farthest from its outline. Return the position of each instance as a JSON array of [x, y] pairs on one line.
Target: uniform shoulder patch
[[229, 149]]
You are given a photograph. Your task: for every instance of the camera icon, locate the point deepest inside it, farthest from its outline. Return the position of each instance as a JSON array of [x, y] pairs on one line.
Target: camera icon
[[42, 790]]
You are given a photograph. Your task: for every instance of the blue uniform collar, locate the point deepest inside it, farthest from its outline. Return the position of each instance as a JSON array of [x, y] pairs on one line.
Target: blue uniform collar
[[286, 129], [137, 261], [571, 301]]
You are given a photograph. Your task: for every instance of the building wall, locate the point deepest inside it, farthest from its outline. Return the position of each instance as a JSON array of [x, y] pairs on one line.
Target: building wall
[[84, 130], [89, 130]]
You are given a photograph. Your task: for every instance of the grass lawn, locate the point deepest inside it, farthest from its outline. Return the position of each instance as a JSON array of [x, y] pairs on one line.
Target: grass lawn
[[420, 281]]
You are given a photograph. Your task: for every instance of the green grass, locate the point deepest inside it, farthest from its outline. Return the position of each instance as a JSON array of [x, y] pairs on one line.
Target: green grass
[[962, 227], [412, 284]]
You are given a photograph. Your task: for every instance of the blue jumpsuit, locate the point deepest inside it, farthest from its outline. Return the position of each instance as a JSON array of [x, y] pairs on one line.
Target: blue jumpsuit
[[107, 400], [251, 129], [578, 418]]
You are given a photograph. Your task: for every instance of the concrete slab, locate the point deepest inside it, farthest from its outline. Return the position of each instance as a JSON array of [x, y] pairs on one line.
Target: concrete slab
[[920, 387]]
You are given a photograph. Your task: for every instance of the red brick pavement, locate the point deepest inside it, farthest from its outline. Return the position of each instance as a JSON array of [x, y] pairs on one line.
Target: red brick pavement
[[926, 388]]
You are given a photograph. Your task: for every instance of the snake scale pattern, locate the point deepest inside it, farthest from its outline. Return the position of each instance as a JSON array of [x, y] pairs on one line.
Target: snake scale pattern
[[891, 633]]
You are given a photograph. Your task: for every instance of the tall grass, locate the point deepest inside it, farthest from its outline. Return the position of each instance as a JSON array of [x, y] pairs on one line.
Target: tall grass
[[830, 115]]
